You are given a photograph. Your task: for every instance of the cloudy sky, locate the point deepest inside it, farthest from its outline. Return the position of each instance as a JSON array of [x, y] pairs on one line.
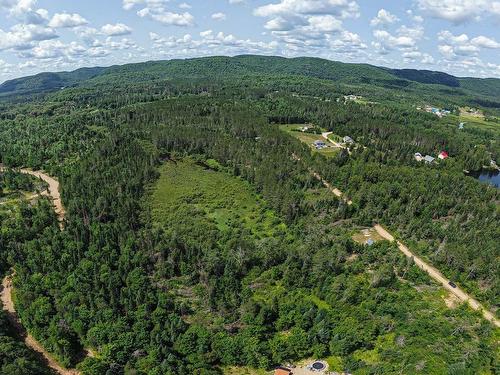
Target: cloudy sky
[[461, 37]]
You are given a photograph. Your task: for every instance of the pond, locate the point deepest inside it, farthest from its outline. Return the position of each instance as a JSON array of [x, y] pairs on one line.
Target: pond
[[488, 176]]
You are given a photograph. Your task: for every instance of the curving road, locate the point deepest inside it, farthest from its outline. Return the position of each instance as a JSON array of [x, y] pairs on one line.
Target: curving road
[[52, 191], [6, 293], [30, 341]]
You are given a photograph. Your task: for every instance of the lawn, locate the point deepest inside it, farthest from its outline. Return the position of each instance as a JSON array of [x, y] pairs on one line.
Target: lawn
[[309, 138], [472, 121], [213, 196], [366, 234]]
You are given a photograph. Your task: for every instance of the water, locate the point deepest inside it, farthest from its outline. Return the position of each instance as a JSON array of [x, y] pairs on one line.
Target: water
[[491, 177]]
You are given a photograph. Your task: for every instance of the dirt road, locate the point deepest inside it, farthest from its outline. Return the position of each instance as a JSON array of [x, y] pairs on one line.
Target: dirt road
[[325, 183], [52, 191], [6, 293], [326, 134], [8, 306], [436, 275], [431, 271]]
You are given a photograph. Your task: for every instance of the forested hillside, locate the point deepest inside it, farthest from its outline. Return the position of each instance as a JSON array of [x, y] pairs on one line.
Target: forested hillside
[[400, 85], [197, 239]]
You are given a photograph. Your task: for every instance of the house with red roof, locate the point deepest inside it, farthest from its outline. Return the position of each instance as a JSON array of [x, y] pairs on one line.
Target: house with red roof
[[443, 155]]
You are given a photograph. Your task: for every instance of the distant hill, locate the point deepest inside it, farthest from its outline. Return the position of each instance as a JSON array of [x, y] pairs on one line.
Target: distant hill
[[482, 92], [46, 82], [426, 76]]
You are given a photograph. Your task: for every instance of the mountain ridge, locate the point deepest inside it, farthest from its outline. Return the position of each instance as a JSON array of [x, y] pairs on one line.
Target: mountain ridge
[[225, 67]]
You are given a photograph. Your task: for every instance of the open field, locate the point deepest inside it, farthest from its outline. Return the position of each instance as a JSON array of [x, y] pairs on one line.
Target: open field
[[309, 138], [476, 122], [209, 195]]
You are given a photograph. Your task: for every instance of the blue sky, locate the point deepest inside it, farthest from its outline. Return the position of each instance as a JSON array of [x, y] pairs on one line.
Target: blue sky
[[461, 37]]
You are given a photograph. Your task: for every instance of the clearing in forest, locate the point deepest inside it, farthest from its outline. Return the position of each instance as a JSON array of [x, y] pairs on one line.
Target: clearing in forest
[[367, 234], [203, 195], [309, 139], [470, 121]]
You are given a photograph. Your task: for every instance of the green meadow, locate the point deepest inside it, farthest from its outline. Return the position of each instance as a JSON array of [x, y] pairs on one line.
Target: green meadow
[[215, 197]]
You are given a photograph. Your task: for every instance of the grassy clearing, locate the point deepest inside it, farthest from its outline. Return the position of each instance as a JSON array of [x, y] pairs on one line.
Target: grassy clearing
[[309, 139], [366, 234], [225, 201], [477, 122]]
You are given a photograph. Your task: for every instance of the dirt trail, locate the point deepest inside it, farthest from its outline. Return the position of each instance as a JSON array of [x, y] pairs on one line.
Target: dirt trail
[[436, 275], [8, 306], [325, 183], [6, 292], [52, 191]]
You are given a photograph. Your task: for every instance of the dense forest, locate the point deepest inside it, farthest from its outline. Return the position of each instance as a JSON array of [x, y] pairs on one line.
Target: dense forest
[[196, 237]]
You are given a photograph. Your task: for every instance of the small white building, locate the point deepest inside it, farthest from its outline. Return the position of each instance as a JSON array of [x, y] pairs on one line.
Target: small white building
[[348, 139], [418, 156], [429, 159]]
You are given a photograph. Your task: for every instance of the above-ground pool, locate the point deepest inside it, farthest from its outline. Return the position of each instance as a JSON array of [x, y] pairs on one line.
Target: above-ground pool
[[318, 366]]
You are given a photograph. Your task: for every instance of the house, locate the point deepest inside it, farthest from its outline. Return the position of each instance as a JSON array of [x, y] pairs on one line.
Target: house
[[282, 371], [418, 156], [319, 144], [461, 126], [429, 159], [443, 155], [348, 139]]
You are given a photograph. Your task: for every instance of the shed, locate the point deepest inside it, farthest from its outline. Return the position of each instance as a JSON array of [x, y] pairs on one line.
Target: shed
[[348, 139], [429, 159]]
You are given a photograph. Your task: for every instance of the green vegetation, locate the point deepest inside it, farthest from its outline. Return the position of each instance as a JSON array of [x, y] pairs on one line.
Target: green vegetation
[[15, 358], [225, 201], [309, 137], [197, 241]]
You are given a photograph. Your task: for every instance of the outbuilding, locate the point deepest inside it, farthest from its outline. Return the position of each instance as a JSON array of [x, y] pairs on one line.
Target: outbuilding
[[429, 159]]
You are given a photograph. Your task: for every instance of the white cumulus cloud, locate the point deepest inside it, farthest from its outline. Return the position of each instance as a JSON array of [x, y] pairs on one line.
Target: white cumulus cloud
[[383, 18], [219, 16], [60, 20], [116, 29], [460, 11]]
